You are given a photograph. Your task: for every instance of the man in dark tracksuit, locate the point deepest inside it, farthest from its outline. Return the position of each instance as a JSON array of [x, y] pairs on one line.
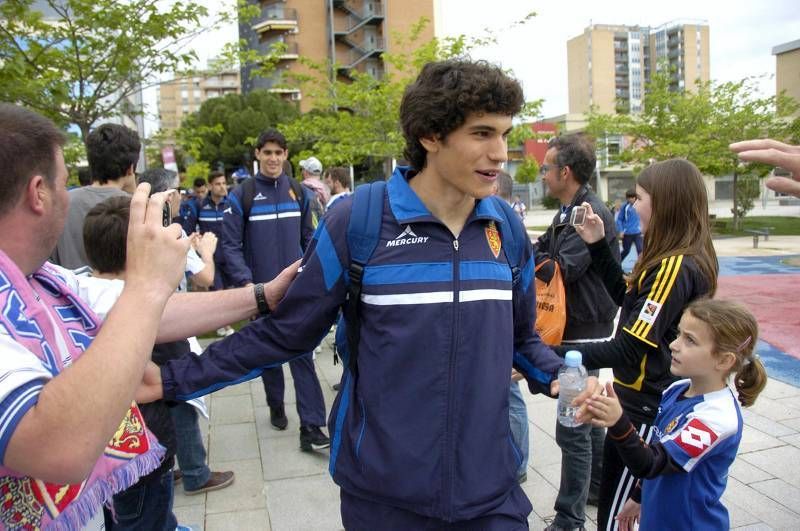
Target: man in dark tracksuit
[[277, 230], [568, 164], [207, 215], [421, 435]]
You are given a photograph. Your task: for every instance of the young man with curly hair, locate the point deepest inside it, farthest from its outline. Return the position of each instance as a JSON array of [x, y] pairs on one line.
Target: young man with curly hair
[[420, 429]]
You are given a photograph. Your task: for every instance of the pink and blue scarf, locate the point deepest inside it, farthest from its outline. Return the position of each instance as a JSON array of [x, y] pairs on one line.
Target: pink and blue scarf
[[26, 502]]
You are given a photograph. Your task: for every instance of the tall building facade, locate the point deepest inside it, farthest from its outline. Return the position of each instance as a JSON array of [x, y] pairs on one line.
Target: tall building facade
[[349, 33], [787, 69], [610, 65], [181, 97]]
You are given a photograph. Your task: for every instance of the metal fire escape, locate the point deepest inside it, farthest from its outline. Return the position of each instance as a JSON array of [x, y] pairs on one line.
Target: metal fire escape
[[346, 31]]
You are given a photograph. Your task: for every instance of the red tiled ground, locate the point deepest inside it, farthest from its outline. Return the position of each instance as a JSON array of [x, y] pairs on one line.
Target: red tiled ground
[[773, 299]]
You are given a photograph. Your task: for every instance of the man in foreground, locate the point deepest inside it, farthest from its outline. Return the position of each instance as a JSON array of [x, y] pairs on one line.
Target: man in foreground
[[420, 430]]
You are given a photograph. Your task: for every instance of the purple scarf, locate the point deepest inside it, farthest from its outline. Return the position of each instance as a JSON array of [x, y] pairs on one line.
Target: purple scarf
[[28, 503]]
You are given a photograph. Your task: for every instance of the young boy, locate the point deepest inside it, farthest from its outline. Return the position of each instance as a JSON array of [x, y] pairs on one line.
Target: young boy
[[420, 431]]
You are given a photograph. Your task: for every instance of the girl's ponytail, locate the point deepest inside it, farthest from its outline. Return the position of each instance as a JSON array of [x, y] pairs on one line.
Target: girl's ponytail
[[750, 380]]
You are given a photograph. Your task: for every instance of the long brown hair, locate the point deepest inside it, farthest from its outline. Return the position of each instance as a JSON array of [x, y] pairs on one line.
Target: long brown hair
[[679, 218], [734, 330]]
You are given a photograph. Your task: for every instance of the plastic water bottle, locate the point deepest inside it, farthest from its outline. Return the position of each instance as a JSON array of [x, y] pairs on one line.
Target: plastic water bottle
[[571, 382]]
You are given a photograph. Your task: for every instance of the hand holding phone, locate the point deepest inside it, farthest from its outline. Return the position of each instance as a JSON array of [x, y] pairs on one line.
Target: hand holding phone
[[166, 215], [578, 216]]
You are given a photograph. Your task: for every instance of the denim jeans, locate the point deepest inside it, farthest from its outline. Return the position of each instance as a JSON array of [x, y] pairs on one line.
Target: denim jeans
[[518, 418], [146, 505], [581, 465], [190, 451]]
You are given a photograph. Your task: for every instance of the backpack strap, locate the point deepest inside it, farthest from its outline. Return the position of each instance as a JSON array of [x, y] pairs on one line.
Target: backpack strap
[[512, 234], [363, 233]]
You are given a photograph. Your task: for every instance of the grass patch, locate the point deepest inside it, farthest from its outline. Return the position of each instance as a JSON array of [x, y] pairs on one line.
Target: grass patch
[[779, 225]]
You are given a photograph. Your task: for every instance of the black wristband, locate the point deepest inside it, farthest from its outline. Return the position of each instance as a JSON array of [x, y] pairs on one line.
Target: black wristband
[[261, 299]]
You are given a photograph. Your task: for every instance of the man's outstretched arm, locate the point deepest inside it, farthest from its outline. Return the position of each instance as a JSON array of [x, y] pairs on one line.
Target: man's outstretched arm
[[85, 403]]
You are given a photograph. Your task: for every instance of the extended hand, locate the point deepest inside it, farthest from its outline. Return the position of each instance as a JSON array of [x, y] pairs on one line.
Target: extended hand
[[629, 515], [768, 151], [606, 410], [593, 229], [275, 289], [206, 244]]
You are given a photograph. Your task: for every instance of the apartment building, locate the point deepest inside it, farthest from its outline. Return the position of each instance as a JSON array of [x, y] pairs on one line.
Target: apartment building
[[182, 96], [610, 65], [787, 69], [351, 34]]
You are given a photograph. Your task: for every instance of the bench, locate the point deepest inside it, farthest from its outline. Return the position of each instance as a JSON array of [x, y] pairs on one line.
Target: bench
[[763, 231]]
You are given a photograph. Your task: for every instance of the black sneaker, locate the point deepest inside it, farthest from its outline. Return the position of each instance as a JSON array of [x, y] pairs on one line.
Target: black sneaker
[[277, 417], [312, 438]]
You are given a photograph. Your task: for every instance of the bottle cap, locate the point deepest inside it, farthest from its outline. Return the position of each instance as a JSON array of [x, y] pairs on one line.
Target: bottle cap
[[573, 358]]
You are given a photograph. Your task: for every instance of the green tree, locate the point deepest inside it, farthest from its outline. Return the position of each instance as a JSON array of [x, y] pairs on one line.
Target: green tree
[[84, 63], [223, 131], [356, 116], [528, 171], [699, 125]]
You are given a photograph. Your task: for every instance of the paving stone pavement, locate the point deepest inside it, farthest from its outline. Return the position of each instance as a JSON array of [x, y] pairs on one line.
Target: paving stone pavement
[[280, 488]]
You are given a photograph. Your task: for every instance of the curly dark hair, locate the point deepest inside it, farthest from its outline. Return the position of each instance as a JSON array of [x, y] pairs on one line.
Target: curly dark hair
[[445, 93], [576, 151]]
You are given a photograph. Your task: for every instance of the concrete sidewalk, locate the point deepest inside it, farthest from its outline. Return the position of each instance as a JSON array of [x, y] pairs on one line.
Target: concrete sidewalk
[[280, 488]]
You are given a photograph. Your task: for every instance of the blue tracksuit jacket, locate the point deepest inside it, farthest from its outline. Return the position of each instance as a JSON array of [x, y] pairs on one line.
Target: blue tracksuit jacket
[[628, 220], [205, 218], [273, 237], [425, 425]]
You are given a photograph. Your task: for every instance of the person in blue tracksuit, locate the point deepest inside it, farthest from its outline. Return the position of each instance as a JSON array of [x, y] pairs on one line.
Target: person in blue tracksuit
[[420, 429], [628, 226], [206, 215], [257, 245]]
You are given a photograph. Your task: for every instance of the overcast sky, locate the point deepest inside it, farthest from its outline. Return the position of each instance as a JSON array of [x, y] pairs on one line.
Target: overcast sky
[[742, 35]]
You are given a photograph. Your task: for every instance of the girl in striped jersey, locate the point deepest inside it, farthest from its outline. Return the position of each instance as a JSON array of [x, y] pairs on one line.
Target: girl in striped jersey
[[699, 422], [678, 265]]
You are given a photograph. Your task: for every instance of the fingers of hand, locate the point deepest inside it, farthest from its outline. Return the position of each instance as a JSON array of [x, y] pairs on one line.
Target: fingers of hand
[[763, 144], [139, 204], [785, 185]]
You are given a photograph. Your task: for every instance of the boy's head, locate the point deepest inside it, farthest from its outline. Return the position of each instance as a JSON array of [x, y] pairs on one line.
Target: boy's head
[[217, 185], [105, 235], [445, 94], [271, 153], [200, 188], [112, 151]]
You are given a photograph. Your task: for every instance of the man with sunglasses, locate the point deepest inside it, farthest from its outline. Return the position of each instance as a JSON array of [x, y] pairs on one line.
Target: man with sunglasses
[[568, 166]]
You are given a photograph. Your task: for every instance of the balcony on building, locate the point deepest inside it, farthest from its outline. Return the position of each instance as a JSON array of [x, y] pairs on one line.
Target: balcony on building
[[275, 18]]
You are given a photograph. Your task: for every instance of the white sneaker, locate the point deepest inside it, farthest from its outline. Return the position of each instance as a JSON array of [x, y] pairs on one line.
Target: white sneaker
[[221, 332], [229, 330]]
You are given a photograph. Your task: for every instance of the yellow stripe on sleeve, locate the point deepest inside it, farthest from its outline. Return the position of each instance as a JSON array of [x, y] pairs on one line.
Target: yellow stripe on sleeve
[[639, 325], [666, 287]]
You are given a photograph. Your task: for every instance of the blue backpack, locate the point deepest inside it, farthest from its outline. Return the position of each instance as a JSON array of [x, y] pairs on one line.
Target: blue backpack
[[363, 233]]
